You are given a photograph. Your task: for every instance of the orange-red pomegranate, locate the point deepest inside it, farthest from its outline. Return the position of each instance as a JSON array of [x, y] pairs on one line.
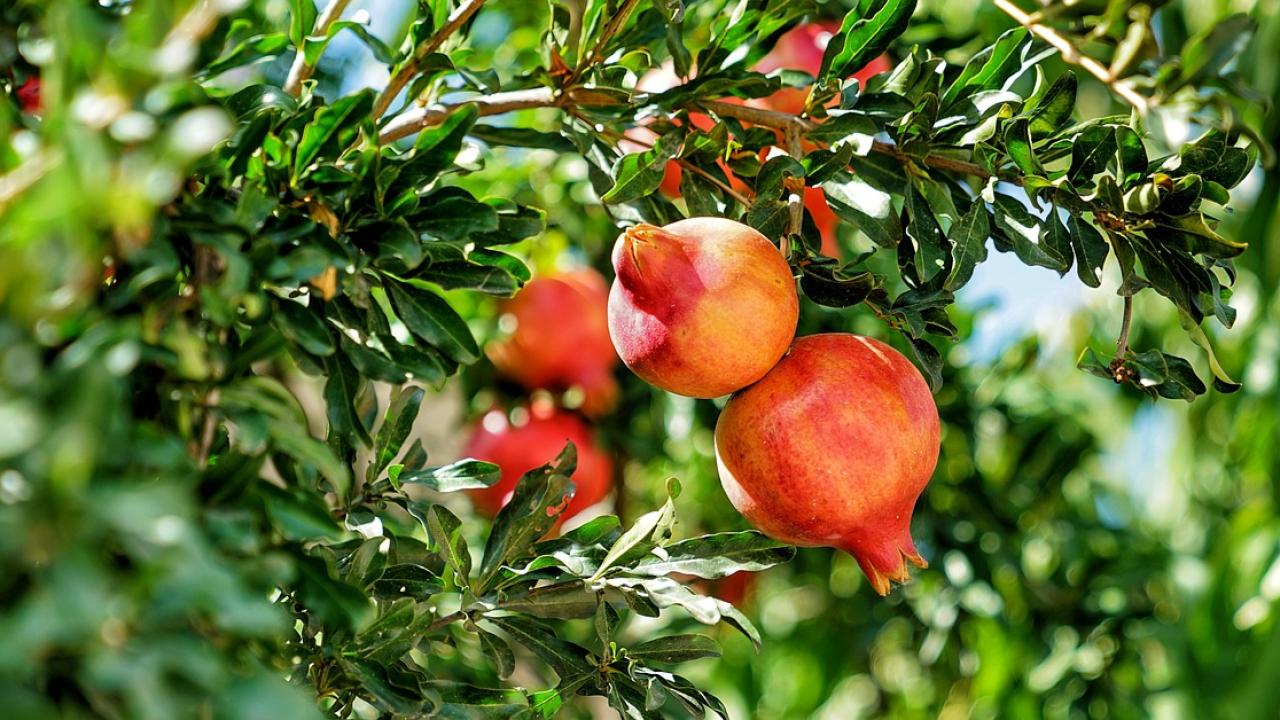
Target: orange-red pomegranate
[[561, 338], [517, 449], [832, 448], [701, 307]]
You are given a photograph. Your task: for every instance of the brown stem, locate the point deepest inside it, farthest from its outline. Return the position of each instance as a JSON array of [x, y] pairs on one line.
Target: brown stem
[[1126, 320], [411, 122], [301, 69], [445, 621], [1072, 55], [430, 45], [728, 190], [27, 174]]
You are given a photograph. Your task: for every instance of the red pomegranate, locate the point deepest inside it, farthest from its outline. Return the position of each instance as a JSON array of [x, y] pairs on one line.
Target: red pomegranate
[[28, 94], [682, 295], [517, 449], [833, 447], [561, 338]]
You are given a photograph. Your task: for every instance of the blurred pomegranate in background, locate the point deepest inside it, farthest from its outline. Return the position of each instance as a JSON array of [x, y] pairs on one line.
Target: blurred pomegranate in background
[[801, 48], [560, 338], [519, 448], [28, 94]]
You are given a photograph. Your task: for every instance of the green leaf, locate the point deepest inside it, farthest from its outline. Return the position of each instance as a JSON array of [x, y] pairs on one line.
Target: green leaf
[[968, 238], [1222, 382], [990, 67], [249, 50], [1024, 234], [1091, 150], [314, 45], [302, 18], [409, 579], [340, 391], [504, 660], [675, 649], [434, 151], [1090, 249], [665, 592], [430, 318], [333, 602], [650, 530], [332, 130], [467, 474], [869, 208], [1053, 111], [522, 137], [298, 514], [640, 174], [1204, 55], [445, 530], [302, 327], [571, 600], [862, 39], [832, 286], [536, 503], [395, 429], [715, 556], [567, 659]]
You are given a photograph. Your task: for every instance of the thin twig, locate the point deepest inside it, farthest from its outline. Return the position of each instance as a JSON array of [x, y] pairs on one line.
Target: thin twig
[[207, 430], [411, 122], [796, 198], [728, 190], [301, 69], [611, 28], [1122, 342], [430, 45], [1072, 55], [445, 621], [25, 175]]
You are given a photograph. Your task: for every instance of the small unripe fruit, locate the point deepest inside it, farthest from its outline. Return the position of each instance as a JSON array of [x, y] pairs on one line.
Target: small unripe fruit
[[832, 448], [701, 307], [517, 449], [561, 338]]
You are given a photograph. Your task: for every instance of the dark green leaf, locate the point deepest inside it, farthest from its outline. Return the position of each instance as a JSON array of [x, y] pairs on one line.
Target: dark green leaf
[[715, 556], [465, 474], [429, 317], [675, 649]]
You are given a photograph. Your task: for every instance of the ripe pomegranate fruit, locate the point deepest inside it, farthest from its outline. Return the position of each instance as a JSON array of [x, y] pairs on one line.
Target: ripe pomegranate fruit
[[801, 48], [832, 448], [561, 338], [29, 95], [517, 449], [701, 307]]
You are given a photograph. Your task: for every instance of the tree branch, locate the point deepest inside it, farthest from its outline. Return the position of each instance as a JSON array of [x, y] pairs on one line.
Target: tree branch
[[1126, 320], [411, 122], [1072, 55], [411, 68], [301, 69], [25, 175], [728, 190]]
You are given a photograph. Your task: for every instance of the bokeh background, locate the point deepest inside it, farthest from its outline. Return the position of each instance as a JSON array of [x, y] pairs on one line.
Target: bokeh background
[[1094, 554]]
